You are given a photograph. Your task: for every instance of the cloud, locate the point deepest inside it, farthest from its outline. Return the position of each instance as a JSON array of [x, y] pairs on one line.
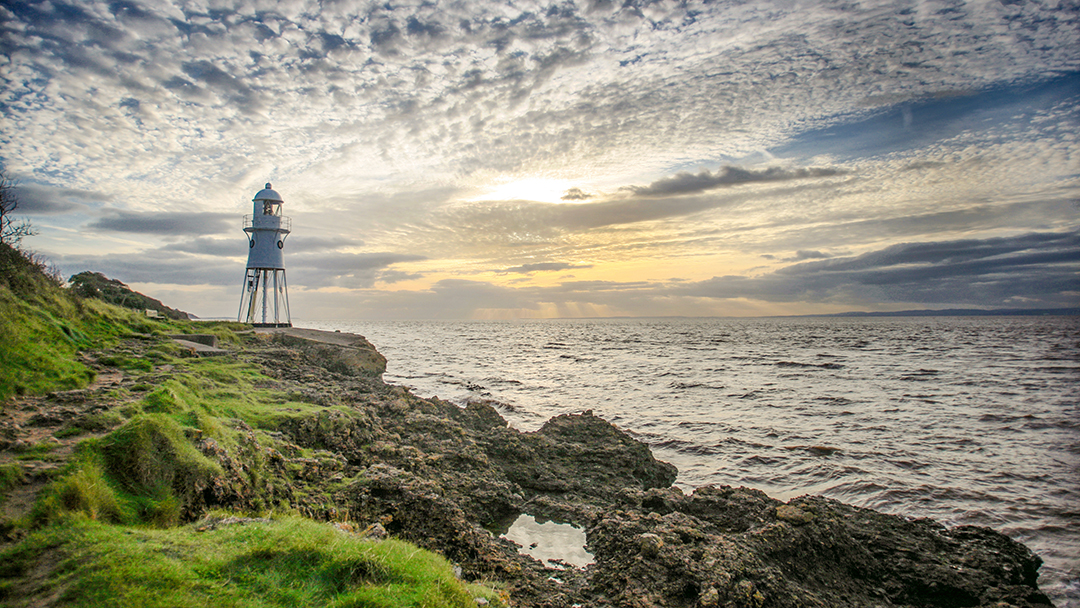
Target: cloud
[[979, 256], [592, 287], [918, 122], [348, 270], [299, 242], [396, 276], [499, 221], [1041, 267], [446, 299], [38, 199], [691, 183], [802, 254], [234, 247], [165, 223], [1036, 270], [220, 262], [543, 267], [160, 267], [237, 244], [826, 128], [576, 194], [447, 86]]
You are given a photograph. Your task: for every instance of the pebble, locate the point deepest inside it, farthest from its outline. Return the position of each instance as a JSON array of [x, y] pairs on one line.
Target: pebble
[[650, 544]]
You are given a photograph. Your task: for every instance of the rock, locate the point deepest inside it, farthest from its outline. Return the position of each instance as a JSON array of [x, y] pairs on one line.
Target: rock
[[710, 597], [72, 396], [650, 544], [579, 455], [375, 531], [793, 515], [440, 475], [51, 417], [834, 555], [212, 523], [343, 353]]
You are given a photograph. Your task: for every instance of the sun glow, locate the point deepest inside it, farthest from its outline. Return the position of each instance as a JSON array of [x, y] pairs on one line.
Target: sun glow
[[540, 189]]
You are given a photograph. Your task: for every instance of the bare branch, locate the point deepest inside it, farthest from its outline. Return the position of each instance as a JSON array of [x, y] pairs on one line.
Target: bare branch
[[12, 229]]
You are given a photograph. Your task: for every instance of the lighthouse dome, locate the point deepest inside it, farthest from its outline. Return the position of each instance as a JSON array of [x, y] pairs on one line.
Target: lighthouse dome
[[268, 194]]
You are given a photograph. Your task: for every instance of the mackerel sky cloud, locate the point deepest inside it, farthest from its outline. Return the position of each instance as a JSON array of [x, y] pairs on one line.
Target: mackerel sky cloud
[[477, 159]]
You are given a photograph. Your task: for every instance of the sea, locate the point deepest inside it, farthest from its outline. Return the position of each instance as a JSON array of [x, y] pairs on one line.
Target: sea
[[966, 420]]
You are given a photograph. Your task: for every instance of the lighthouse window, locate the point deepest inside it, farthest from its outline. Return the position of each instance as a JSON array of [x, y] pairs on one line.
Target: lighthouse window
[[251, 244], [280, 245]]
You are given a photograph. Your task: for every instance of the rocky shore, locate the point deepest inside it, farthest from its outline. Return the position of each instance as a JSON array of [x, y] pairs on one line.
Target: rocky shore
[[379, 460]]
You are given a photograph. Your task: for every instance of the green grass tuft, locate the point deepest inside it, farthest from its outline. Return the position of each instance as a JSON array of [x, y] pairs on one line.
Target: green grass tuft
[[12, 476], [85, 491], [91, 423], [170, 397], [288, 562], [153, 461]]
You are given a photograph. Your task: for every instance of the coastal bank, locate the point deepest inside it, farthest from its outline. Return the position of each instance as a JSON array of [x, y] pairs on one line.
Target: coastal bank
[[299, 424]]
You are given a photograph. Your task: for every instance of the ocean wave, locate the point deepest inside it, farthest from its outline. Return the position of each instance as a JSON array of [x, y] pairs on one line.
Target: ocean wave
[[809, 365], [689, 385]]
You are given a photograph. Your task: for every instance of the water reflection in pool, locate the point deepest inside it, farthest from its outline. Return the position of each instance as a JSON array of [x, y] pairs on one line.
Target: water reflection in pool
[[560, 545]]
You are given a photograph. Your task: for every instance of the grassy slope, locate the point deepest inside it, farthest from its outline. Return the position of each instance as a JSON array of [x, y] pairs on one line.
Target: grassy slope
[[286, 562], [107, 530]]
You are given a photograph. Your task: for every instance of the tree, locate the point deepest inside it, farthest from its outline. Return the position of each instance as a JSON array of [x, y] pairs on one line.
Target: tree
[[12, 230]]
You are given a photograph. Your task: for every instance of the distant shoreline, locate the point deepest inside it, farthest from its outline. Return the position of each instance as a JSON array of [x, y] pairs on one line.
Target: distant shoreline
[[947, 312], [961, 312]]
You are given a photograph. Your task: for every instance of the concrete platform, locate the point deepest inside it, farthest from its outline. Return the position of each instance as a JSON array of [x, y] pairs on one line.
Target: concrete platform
[[342, 352], [200, 350], [336, 338]]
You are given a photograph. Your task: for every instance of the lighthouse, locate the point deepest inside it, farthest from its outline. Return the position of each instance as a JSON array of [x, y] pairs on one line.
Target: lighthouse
[[265, 299]]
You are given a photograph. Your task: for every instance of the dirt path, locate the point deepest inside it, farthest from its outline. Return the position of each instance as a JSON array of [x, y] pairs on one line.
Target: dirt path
[[39, 433]]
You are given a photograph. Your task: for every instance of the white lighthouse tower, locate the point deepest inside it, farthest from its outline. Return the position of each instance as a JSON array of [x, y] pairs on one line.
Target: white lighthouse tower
[[265, 300]]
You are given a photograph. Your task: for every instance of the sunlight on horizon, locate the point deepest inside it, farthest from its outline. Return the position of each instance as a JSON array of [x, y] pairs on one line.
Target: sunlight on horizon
[[538, 189]]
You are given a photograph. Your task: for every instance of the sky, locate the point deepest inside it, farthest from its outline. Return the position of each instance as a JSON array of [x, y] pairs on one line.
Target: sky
[[504, 160]]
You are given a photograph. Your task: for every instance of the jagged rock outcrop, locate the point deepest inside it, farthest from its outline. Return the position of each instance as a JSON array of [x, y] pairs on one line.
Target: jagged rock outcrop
[[436, 473], [738, 547]]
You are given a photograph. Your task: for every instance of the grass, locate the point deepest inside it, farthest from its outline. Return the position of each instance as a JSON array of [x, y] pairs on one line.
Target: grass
[[44, 326], [11, 477], [37, 354], [43, 334], [222, 388], [86, 491], [107, 530], [286, 562], [90, 423], [146, 471]]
